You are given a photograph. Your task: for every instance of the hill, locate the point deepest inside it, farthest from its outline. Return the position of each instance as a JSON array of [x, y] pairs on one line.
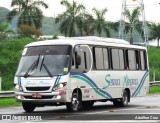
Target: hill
[[3, 13], [49, 26]]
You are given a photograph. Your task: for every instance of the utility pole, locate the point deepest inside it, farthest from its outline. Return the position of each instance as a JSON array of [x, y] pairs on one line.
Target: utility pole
[[130, 5]]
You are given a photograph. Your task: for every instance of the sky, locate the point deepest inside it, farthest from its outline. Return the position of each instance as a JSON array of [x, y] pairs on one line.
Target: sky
[[152, 8]]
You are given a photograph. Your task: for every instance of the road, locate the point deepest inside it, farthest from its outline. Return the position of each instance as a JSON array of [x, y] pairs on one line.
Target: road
[[140, 109]]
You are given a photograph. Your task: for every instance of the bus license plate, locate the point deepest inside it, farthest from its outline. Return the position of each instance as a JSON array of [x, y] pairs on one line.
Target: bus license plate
[[36, 96]]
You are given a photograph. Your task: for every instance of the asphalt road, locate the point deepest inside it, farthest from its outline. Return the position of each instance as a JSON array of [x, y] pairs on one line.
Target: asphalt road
[[140, 109]]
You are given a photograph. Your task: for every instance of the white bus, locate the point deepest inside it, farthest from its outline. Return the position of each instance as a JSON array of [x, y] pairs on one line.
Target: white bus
[[77, 72]]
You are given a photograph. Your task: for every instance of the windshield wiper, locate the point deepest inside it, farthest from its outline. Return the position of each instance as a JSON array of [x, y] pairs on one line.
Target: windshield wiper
[[46, 68], [32, 67]]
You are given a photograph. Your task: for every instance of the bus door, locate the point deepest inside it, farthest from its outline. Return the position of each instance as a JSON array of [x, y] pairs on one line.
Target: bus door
[[81, 66]]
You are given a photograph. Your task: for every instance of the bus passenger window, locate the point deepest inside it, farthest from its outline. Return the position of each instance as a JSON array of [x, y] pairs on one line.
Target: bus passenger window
[[131, 60], [105, 58], [99, 59], [121, 59], [127, 60], [143, 60], [115, 59], [81, 63], [137, 60]]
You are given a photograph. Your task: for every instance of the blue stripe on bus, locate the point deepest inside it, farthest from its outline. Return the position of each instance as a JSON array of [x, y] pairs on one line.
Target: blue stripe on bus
[[93, 83], [56, 81], [141, 83], [19, 80]]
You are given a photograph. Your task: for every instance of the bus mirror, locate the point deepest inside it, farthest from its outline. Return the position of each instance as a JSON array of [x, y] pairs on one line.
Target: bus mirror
[[78, 60]]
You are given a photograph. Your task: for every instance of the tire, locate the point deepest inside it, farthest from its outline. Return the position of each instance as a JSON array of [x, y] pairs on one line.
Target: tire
[[75, 103], [123, 101], [87, 104], [28, 107], [116, 103]]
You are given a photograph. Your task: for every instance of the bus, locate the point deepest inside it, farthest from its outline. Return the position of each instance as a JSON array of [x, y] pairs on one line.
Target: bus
[[77, 72]]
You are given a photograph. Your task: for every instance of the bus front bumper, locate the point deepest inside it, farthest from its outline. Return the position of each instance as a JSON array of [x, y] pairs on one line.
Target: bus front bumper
[[40, 97]]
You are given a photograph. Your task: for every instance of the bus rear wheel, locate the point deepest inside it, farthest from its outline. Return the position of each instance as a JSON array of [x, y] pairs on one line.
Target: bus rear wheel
[[75, 103], [28, 107], [123, 101]]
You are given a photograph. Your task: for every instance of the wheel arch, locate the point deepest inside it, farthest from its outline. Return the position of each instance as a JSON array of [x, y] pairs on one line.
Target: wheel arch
[[79, 91]]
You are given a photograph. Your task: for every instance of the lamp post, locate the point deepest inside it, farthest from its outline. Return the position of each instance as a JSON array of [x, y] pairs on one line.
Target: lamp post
[[127, 5]]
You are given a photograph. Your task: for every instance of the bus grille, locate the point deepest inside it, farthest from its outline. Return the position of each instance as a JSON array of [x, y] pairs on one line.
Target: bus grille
[[37, 88]]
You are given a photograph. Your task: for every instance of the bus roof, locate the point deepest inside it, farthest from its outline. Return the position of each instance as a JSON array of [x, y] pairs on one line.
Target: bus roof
[[90, 40]]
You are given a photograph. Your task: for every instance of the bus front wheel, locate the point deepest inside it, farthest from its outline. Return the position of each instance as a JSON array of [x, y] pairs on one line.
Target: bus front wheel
[[75, 103], [28, 107], [122, 102]]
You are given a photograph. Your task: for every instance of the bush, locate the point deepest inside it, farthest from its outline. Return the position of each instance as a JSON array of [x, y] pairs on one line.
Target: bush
[[10, 53], [2, 36], [29, 31]]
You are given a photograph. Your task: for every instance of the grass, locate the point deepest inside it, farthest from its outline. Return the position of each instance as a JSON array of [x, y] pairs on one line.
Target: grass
[[154, 89], [5, 102], [154, 62], [10, 53]]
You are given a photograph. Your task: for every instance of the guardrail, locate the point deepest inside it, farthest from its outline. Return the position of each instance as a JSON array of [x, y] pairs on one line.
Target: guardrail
[[11, 93], [6, 94], [155, 83]]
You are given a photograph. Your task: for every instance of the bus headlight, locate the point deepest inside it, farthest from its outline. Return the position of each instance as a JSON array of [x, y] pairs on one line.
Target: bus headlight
[[59, 86], [18, 87]]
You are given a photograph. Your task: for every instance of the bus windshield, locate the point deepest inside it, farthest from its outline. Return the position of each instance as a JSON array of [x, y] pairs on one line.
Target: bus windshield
[[44, 61]]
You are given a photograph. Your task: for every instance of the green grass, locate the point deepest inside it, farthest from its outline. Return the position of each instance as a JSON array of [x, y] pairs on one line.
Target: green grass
[[154, 89], [154, 62], [10, 53], [5, 102]]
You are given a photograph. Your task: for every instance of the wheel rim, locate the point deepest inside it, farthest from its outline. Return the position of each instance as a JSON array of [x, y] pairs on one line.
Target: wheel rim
[[75, 103], [125, 99]]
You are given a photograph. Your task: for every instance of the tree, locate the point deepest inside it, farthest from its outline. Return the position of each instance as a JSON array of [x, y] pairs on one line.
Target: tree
[[133, 23], [155, 32], [100, 23], [4, 30], [71, 18], [88, 24], [28, 12]]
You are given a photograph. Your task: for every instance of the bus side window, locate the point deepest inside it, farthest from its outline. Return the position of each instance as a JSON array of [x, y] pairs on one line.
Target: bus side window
[[80, 60], [137, 60], [99, 64], [127, 60], [117, 59], [131, 59], [143, 60], [100, 60]]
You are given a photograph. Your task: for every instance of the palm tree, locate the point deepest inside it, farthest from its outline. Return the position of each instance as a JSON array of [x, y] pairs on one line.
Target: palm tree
[[88, 25], [155, 32], [28, 12], [71, 18], [133, 23], [100, 24]]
